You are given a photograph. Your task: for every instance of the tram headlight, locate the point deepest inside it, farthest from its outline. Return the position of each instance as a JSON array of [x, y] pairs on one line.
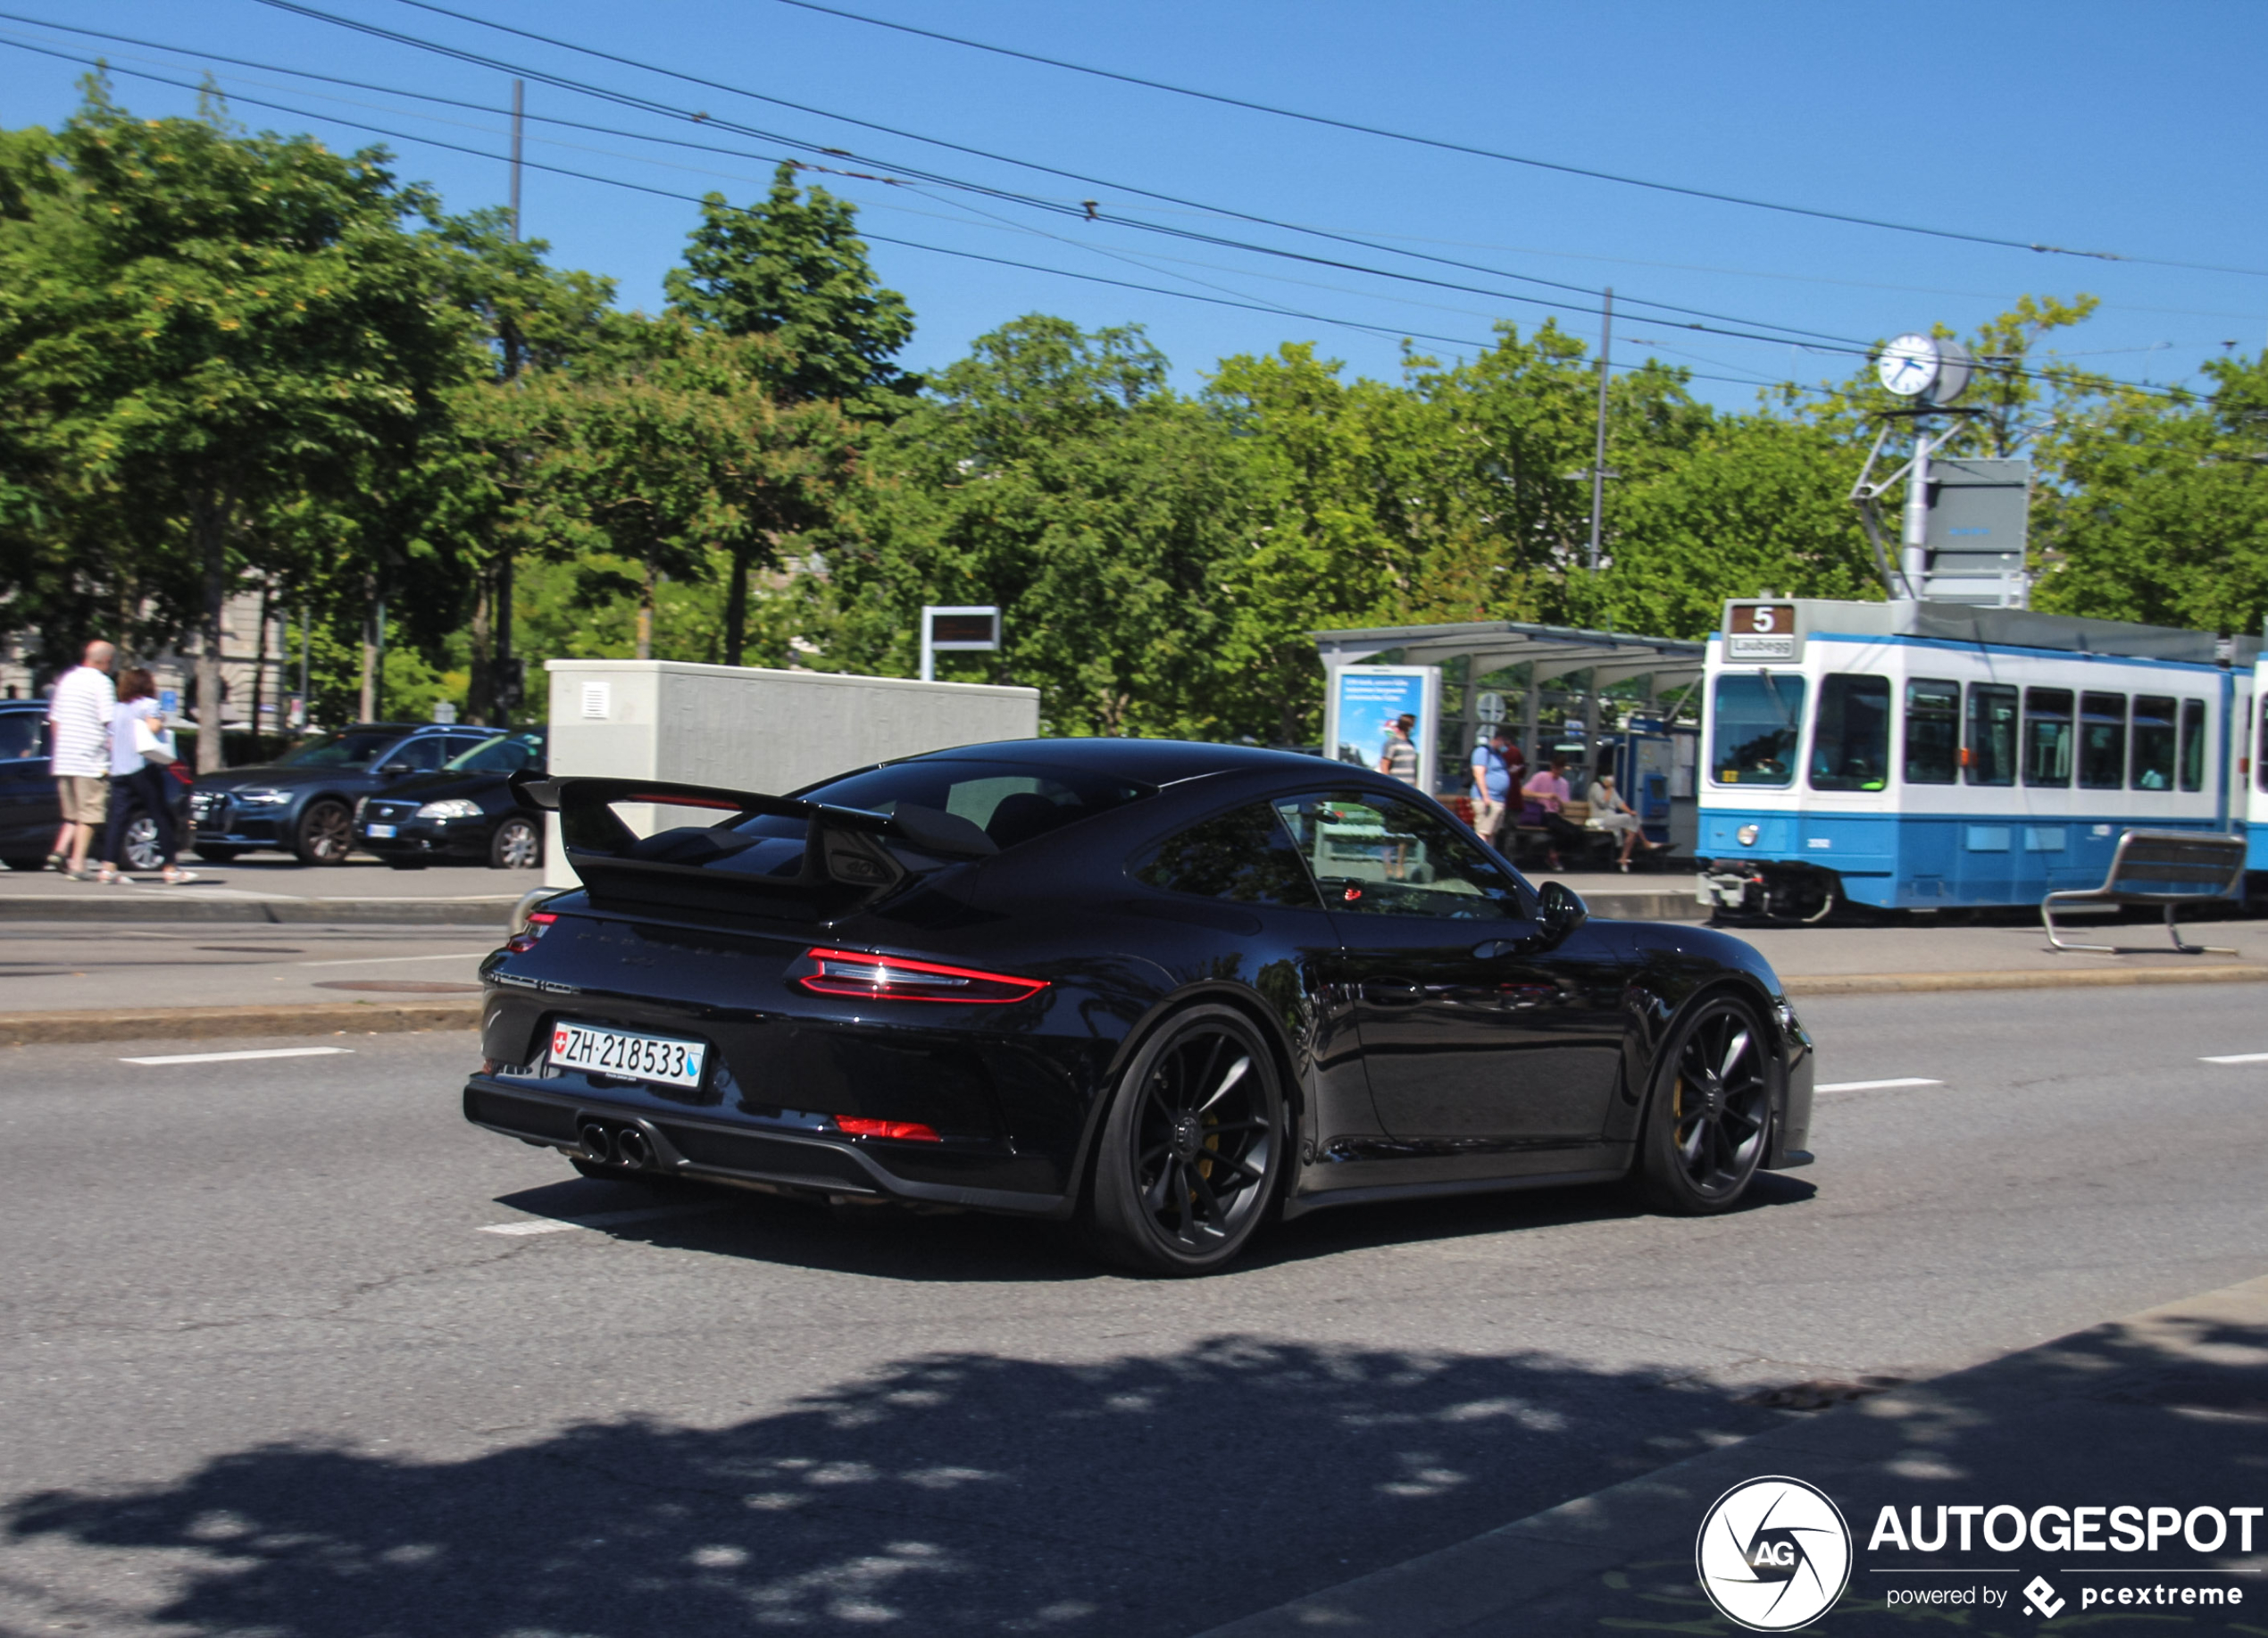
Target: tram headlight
[[1746, 835]]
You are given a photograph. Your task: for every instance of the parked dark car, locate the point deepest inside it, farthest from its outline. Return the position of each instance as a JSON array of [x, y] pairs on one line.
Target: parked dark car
[[29, 814], [303, 802], [465, 813], [1172, 989]]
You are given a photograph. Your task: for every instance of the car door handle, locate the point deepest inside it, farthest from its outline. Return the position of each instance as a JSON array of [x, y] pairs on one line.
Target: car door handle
[[1392, 992]]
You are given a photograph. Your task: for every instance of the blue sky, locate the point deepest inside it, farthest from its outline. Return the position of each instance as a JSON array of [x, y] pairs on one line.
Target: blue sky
[[2098, 126]]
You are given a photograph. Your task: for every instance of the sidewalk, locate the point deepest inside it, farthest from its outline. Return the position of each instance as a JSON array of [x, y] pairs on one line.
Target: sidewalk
[[2168, 1407], [274, 890]]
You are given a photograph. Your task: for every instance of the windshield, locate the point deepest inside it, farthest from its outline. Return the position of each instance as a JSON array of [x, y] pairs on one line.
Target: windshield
[[507, 753], [1756, 718], [1009, 802], [351, 749]]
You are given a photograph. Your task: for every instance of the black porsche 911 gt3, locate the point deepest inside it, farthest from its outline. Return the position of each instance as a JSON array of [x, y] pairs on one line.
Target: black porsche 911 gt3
[[1173, 989]]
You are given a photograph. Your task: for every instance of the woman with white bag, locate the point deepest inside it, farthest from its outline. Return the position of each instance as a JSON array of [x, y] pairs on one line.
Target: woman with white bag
[[141, 749]]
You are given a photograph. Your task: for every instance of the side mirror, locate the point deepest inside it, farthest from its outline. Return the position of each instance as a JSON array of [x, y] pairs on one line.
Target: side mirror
[[1562, 912], [395, 770]]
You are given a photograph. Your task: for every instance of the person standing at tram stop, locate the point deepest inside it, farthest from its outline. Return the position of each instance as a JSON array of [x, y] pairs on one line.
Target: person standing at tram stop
[[78, 754], [1496, 768], [1545, 795], [1400, 760], [137, 783]]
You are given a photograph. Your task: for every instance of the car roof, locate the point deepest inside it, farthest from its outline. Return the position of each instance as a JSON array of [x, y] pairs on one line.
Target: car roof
[[1152, 762]]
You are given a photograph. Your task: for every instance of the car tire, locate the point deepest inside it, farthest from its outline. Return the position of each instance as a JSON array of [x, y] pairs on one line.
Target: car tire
[[214, 853], [325, 835], [517, 844], [1193, 1148], [1708, 1124], [140, 848]]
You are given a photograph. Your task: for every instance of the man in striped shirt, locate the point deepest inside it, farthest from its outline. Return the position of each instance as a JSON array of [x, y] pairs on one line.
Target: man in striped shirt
[[78, 717]]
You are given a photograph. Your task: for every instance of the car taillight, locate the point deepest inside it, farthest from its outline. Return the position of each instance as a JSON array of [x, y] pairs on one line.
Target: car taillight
[[899, 978], [859, 1128], [539, 923]]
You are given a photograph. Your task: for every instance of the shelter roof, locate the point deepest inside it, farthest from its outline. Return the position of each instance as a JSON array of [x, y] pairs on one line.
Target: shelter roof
[[1555, 651]]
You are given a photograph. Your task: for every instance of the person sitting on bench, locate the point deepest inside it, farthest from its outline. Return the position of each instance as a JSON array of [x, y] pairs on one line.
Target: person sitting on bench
[[1613, 815], [1546, 794]]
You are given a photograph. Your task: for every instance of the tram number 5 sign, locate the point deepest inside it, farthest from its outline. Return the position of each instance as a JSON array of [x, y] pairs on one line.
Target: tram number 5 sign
[[1760, 631]]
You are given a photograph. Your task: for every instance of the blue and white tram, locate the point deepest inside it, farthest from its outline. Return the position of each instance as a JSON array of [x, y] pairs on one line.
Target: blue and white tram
[[1920, 755]]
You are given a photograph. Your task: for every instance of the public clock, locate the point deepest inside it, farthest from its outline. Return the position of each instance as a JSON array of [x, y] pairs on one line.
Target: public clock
[[1908, 365]]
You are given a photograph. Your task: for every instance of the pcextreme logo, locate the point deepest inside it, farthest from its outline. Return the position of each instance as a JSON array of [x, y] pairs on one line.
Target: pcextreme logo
[[1773, 1554]]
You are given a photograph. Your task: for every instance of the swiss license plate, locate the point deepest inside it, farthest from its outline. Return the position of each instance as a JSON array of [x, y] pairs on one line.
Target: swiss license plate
[[635, 1057], [382, 831]]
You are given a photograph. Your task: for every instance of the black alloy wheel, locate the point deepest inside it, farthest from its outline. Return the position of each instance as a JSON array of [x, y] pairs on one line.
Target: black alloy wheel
[[326, 833], [1187, 1167], [517, 844], [1711, 1119]]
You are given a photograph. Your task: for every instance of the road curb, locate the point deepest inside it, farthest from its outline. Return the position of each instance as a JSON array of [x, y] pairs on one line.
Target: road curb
[[1505, 1580], [2018, 978], [183, 905], [238, 1022]]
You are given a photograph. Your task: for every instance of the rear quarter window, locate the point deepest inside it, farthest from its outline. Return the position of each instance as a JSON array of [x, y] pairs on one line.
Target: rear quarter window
[[1245, 857]]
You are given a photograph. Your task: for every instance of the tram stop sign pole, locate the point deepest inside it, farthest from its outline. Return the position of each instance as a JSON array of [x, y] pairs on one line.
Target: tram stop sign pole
[[956, 630]]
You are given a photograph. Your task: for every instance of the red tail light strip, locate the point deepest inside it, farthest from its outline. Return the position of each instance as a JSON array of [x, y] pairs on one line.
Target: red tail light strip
[[858, 1127], [539, 923], [866, 976]]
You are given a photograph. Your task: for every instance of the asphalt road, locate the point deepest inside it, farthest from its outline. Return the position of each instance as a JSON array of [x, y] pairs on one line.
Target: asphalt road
[[267, 1366], [47, 967]]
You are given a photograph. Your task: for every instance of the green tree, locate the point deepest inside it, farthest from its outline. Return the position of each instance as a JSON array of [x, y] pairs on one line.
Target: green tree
[[794, 269], [1053, 473], [676, 457], [205, 325], [2164, 514]]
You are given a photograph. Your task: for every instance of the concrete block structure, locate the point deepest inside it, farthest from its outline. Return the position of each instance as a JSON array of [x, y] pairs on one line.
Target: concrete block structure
[[746, 729]]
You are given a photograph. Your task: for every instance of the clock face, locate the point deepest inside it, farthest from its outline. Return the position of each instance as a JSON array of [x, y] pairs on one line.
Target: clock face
[[1908, 365]]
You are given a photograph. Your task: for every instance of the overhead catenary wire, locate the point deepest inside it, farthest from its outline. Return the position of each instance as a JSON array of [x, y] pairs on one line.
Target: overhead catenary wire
[[1851, 349], [1846, 345], [1475, 151], [1590, 293]]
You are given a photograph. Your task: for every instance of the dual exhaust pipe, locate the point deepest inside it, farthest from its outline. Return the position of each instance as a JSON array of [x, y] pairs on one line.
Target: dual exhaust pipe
[[622, 1145]]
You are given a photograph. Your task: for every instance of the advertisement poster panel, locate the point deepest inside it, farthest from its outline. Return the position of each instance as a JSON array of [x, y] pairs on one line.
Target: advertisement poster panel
[[1365, 702]]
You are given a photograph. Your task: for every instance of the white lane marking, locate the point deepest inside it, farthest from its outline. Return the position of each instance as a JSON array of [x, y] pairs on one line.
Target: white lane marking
[[2238, 1057], [365, 961], [599, 1220], [1873, 1086], [237, 1058]]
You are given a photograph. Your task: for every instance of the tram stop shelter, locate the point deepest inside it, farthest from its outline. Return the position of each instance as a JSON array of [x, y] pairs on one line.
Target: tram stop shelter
[[1556, 685]]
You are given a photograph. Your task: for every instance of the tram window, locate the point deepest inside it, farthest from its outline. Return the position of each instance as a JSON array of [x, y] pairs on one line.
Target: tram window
[[1850, 749], [1759, 718], [2102, 741], [1932, 732], [2260, 761], [2047, 736], [2193, 745], [1991, 750], [2153, 720]]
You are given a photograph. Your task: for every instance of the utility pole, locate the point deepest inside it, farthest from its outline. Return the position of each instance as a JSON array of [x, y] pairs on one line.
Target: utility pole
[[519, 109], [1598, 457]]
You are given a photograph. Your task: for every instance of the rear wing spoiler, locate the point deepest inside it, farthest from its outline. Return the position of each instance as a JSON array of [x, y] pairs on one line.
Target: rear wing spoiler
[[850, 854]]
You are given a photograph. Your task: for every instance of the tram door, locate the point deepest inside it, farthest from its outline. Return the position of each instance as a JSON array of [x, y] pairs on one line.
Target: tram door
[[1986, 844]]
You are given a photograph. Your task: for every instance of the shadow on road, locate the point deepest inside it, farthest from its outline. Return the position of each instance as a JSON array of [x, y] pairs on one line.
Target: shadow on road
[[887, 1243], [954, 1493]]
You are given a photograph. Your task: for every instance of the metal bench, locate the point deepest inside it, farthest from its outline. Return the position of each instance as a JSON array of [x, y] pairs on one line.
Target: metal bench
[[2158, 868]]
